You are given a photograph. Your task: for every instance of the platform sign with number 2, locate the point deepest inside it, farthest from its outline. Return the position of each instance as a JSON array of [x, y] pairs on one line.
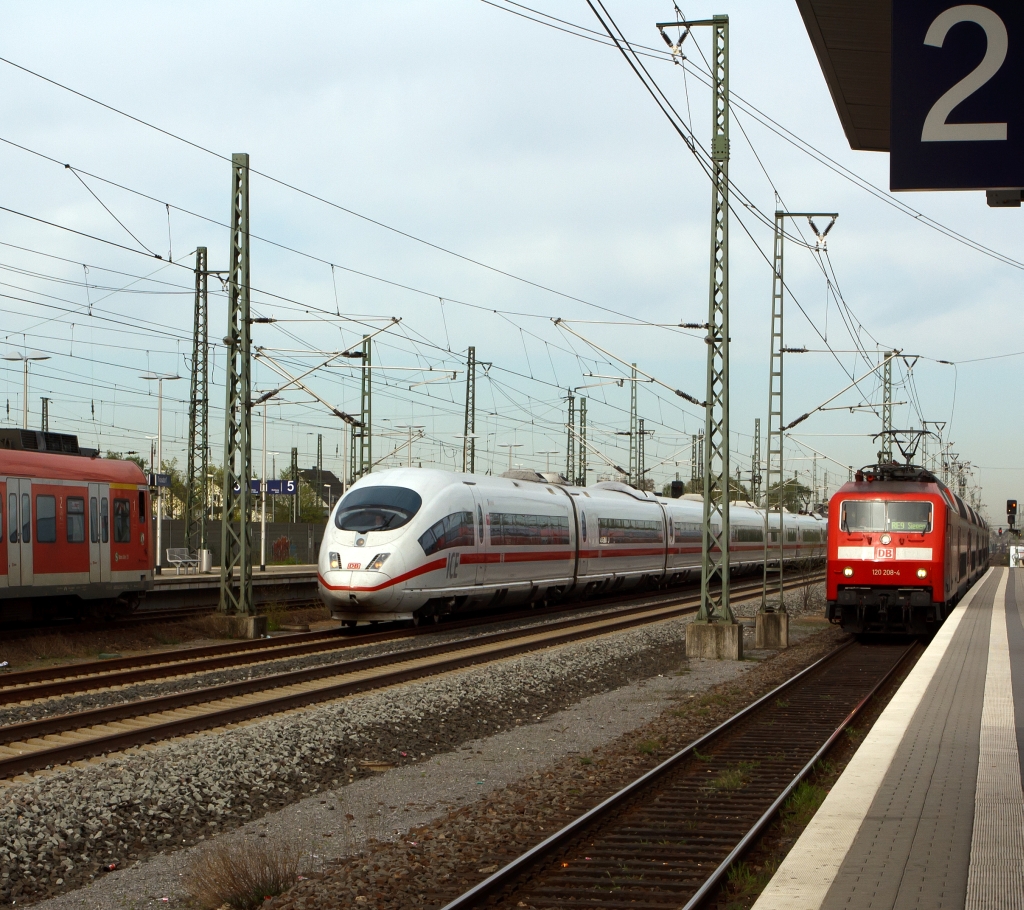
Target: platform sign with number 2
[[957, 115]]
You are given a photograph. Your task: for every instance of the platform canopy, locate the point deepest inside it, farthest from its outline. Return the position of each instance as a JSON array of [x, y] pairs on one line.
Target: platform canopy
[[852, 41]]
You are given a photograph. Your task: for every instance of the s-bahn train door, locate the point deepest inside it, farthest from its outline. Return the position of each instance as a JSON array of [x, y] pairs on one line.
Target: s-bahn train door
[[99, 532], [19, 532]]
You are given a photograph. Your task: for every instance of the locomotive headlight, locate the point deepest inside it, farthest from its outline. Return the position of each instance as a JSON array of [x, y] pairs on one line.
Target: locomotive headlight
[[922, 573], [848, 571], [885, 540], [335, 561], [378, 561]]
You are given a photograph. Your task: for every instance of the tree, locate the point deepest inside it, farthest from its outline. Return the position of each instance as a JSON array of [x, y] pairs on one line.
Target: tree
[[795, 496], [176, 496], [130, 456]]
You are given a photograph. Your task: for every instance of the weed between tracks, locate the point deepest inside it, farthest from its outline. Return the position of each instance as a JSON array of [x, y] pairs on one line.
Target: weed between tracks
[[243, 874]]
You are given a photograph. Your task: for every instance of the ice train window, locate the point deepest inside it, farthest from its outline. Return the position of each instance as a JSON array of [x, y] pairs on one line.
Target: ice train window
[[455, 530], [377, 508], [515, 529], [688, 530], [629, 530], [748, 535]]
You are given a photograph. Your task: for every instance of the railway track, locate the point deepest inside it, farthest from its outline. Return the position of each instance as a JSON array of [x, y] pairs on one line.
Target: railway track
[[54, 740], [668, 839], [48, 682]]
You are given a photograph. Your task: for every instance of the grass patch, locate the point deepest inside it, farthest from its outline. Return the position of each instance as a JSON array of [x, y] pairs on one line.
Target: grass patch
[[649, 746], [242, 874], [744, 881], [702, 756], [804, 801], [732, 779], [854, 734], [586, 760]]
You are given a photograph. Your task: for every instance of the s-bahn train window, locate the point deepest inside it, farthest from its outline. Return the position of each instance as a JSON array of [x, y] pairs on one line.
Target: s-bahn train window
[[94, 520], [12, 517], [455, 530], [512, 529], [122, 521], [26, 519], [377, 509], [104, 519], [46, 519], [142, 507], [76, 519], [629, 530]]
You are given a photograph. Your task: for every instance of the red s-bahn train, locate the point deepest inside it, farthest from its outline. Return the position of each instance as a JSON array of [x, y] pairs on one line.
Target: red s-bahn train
[[902, 550], [74, 529]]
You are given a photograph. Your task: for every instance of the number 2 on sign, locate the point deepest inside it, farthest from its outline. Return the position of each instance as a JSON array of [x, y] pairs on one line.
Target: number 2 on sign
[[936, 128]]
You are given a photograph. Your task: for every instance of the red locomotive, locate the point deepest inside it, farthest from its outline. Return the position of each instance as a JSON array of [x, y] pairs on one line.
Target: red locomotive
[[902, 550], [74, 529]]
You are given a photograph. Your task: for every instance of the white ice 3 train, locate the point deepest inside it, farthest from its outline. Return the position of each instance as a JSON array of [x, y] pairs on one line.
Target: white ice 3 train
[[415, 544]]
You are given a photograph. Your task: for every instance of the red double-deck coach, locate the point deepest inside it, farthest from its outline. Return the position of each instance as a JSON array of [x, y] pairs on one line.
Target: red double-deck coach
[[74, 529], [902, 550]]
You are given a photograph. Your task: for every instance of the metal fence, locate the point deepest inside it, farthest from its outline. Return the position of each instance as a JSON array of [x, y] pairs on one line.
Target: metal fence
[[288, 543]]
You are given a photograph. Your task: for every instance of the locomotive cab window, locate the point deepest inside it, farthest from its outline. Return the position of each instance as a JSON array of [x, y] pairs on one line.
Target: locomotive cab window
[[377, 508], [46, 519], [122, 521], [909, 517], [142, 507], [76, 519]]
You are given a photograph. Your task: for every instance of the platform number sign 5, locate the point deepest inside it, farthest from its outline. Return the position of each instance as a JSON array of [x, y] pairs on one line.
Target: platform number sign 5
[[957, 109]]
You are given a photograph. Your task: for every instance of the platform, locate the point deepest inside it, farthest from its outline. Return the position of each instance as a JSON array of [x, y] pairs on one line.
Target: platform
[[285, 585], [929, 812]]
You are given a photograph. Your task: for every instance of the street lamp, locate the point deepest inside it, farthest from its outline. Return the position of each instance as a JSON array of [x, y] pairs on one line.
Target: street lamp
[[159, 377], [510, 446], [549, 453], [34, 355]]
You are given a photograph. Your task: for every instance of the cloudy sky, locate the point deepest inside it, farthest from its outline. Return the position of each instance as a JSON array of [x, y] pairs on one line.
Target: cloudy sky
[[476, 175]]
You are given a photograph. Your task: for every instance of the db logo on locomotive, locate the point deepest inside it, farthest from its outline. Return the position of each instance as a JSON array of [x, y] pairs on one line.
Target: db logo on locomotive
[[885, 552]]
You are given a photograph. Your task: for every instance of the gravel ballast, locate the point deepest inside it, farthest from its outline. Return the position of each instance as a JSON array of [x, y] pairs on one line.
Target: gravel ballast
[[188, 682], [63, 829]]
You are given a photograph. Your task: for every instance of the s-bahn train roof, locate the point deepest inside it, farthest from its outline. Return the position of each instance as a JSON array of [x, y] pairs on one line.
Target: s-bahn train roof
[[51, 466]]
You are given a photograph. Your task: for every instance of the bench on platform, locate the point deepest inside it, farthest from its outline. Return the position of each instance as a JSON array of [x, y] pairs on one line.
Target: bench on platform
[[181, 558]]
